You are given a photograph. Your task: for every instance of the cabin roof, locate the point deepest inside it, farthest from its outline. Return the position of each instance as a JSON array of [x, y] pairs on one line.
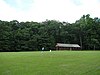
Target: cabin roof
[[67, 45]]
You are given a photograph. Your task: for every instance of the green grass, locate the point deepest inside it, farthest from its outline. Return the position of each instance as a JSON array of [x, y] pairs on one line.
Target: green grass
[[50, 63]]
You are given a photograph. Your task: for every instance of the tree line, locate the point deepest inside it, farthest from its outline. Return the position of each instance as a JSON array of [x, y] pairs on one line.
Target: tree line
[[32, 36]]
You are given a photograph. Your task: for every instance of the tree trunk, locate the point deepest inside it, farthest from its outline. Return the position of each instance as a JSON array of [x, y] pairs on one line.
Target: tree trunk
[[94, 47], [81, 42]]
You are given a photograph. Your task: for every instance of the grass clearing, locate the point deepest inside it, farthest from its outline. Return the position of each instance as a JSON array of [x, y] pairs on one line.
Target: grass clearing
[[50, 63]]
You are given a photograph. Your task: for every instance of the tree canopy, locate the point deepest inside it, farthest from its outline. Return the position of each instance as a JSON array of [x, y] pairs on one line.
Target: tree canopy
[[32, 36]]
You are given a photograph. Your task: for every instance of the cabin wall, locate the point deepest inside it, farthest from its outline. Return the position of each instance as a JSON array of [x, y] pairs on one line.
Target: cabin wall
[[67, 48]]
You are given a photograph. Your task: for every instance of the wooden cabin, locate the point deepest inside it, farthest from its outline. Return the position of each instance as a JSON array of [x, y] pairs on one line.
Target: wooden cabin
[[61, 46]]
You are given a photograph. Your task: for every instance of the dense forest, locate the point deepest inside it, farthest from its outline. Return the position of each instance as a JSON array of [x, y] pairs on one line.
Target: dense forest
[[32, 36]]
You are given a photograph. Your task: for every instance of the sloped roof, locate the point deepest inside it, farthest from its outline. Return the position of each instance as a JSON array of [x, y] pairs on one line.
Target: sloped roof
[[67, 45]]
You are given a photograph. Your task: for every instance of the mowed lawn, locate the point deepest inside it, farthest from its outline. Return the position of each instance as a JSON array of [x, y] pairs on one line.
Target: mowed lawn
[[50, 63]]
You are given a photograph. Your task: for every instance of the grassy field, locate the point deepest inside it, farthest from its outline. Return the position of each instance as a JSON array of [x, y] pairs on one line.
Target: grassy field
[[50, 63]]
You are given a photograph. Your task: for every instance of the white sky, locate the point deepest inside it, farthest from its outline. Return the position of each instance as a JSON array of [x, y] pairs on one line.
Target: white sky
[[40, 10]]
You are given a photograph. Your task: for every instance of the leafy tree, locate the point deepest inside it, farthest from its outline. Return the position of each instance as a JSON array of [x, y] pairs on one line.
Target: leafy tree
[[32, 36]]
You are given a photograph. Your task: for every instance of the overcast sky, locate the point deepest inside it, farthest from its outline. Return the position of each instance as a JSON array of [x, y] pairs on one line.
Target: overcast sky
[[40, 10]]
